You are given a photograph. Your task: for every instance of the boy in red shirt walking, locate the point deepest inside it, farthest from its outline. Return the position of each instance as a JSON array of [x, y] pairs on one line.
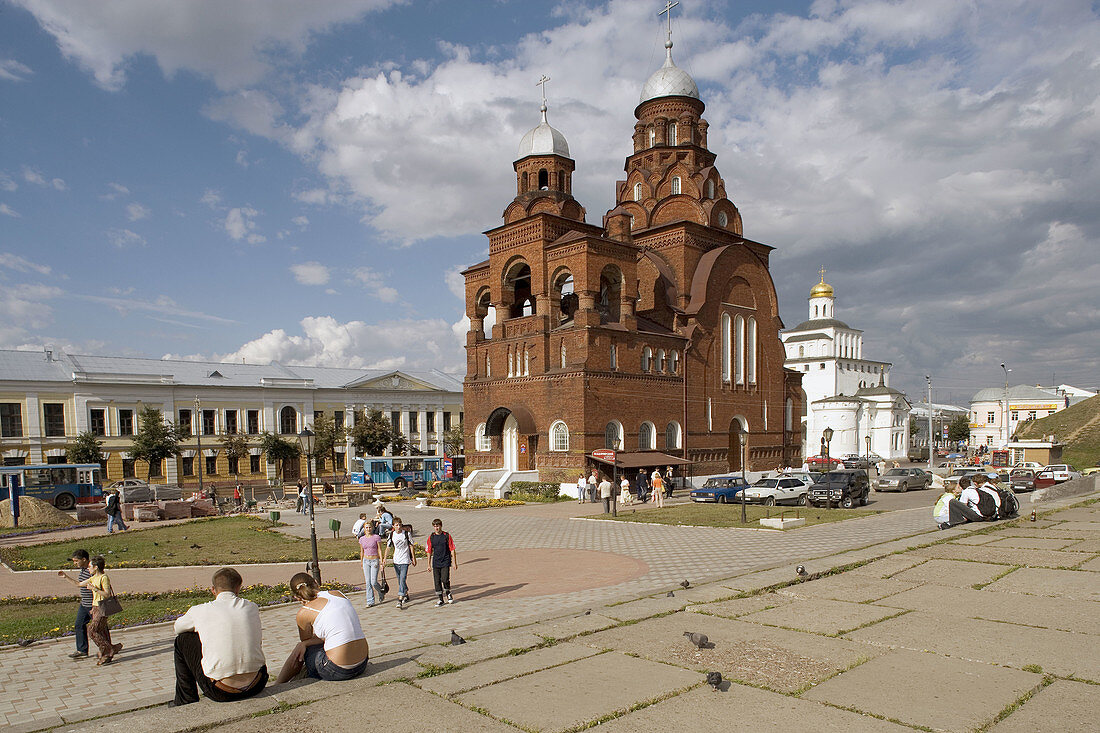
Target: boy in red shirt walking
[[441, 552]]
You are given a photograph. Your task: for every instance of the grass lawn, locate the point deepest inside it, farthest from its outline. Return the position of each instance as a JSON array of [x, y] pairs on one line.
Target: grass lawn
[[22, 618], [214, 541], [729, 515]]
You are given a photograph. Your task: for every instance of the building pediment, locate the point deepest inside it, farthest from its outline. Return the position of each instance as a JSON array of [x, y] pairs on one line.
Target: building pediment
[[392, 382]]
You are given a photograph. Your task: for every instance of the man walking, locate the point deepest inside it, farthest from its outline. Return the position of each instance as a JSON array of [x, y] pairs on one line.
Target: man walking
[[114, 512], [442, 553], [643, 485], [605, 494], [80, 560], [218, 646]]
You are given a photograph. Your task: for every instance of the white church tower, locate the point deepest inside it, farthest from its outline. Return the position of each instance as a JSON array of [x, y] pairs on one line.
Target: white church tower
[[844, 391]]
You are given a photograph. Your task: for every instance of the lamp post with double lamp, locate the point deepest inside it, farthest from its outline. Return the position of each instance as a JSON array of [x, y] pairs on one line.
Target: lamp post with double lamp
[[305, 440], [826, 440]]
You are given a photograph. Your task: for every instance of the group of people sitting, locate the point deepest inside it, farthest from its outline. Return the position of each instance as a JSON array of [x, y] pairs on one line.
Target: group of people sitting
[[974, 499]]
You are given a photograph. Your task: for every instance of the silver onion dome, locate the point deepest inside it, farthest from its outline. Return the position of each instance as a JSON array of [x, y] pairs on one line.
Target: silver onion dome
[[543, 140], [669, 81]]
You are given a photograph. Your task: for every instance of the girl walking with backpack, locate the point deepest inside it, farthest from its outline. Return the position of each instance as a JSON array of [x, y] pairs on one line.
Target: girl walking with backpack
[[403, 556]]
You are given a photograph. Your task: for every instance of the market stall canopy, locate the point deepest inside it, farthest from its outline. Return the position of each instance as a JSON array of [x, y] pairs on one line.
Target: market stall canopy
[[645, 458]]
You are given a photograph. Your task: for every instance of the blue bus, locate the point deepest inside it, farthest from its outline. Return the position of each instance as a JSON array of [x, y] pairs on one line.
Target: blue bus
[[62, 484], [398, 471]]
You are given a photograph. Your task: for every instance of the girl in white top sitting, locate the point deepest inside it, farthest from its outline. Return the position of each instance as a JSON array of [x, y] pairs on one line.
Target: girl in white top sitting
[[332, 645]]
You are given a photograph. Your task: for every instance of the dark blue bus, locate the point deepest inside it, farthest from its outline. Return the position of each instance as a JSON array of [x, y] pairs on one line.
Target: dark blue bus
[[62, 484]]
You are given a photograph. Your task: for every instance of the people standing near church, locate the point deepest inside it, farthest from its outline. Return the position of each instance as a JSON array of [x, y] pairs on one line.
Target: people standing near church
[[582, 488], [114, 512], [625, 497], [238, 498], [658, 490], [442, 555], [642, 484], [605, 494], [668, 482], [400, 540], [80, 561], [593, 481]]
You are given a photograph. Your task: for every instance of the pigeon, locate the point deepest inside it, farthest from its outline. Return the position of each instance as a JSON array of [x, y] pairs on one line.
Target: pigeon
[[801, 570], [157, 544], [196, 547], [456, 639], [699, 640], [670, 594], [714, 679], [25, 642], [684, 584]]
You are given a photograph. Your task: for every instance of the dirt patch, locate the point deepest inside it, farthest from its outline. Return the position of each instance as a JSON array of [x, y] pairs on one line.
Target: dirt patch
[[34, 513], [759, 663]]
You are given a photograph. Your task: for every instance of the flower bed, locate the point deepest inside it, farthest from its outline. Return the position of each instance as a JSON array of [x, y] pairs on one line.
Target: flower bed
[[472, 503]]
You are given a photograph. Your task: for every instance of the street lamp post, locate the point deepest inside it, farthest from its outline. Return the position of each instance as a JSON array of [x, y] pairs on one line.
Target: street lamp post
[[929, 378], [1006, 371], [867, 439], [743, 480], [305, 440], [198, 439], [826, 440]]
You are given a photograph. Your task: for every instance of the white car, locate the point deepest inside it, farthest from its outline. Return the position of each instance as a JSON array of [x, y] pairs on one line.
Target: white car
[[1062, 472], [1028, 464], [781, 490]]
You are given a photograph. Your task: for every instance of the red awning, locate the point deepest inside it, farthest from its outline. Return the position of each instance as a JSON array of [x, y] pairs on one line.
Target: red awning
[[644, 458]]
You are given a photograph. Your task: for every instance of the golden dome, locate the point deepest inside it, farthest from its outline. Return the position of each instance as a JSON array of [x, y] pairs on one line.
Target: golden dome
[[822, 289]]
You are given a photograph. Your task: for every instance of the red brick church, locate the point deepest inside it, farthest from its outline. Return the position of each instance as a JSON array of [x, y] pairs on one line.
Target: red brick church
[[656, 332]]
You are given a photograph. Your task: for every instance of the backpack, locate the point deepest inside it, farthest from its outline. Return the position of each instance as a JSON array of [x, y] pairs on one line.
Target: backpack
[[1010, 506], [987, 505]]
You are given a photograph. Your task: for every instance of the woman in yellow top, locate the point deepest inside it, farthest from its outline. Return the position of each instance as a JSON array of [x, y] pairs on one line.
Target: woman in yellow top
[[100, 583]]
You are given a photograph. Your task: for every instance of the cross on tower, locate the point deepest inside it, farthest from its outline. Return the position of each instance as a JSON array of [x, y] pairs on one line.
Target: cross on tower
[[822, 271], [668, 11], [542, 83]]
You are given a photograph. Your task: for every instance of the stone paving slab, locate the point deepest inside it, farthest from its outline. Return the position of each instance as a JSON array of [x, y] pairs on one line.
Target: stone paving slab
[[1029, 530], [1074, 705], [1090, 546], [1004, 556], [1033, 543], [644, 608], [820, 616], [1075, 584], [919, 688], [887, 567], [569, 626], [752, 709], [164, 719], [1062, 653], [976, 539], [768, 578], [1092, 565], [1079, 514], [1088, 528], [497, 670], [1065, 614], [551, 700], [846, 587], [778, 659], [477, 650], [955, 573], [740, 606]]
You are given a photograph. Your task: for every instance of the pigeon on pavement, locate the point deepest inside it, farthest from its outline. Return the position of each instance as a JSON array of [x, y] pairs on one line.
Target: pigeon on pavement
[[685, 585], [670, 594], [456, 639], [699, 640], [714, 679]]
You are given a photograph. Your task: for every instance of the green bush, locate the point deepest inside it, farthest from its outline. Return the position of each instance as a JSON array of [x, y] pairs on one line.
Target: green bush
[[535, 491]]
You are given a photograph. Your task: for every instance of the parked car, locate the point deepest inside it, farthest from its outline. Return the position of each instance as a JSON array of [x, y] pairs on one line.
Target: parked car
[[1029, 479], [720, 489], [856, 461], [810, 477], [1062, 472], [903, 479], [822, 463], [135, 490], [1028, 464], [779, 490], [844, 487], [1091, 470], [952, 479]]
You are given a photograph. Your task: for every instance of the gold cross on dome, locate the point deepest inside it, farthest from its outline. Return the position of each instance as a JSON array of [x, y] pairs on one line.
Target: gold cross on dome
[[668, 10], [822, 271], [542, 83]]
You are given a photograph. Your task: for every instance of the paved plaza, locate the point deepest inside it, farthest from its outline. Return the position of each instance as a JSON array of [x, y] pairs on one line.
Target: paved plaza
[[569, 624]]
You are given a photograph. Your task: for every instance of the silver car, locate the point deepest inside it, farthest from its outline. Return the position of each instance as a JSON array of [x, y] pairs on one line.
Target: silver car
[[903, 479]]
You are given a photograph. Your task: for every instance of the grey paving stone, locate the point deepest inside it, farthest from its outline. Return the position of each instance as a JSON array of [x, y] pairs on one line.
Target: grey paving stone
[[740, 606], [496, 670], [1004, 555], [570, 626], [1060, 652], [1075, 584], [1056, 613], [1089, 546], [1078, 514], [888, 566], [477, 650], [976, 539], [752, 709], [919, 688], [1031, 543], [779, 659], [549, 700], [642, 608], [951, 572], [1092, 565], [848, 587], [170, 720], [1029, 530], [1091, 529], [821, 616], [1070, 707], [768, 578]]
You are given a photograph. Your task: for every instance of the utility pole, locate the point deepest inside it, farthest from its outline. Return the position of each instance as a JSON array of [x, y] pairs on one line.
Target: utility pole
[[197, 421], [1007, 434], [929, 378]]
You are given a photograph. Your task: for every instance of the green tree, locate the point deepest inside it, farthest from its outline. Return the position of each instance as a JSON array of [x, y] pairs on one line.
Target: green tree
[[399, 444], [156, 439], [278, 449], [454, 441], [327, 437], [959, 429], [235, 447], [371, 433], [87, 448]]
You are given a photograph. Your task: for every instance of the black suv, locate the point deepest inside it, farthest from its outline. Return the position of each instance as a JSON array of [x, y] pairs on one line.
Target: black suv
[[845, 488]]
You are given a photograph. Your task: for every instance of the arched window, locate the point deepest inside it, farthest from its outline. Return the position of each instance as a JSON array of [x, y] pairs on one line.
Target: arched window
[[726, 341], [672, 435], [674, 362], [824, 311], [660, 361], [647, 359], [652, 137], [288, 421], [526, 362], [675, 185], [544, 179], [709, 188], [815, 311], [739, 350], [488, 367], [562, 354], [637, 192], [801, 351], [523, 183], [614, 356], [672, 133], [559, 436], [750, 350], [482, 441], [647, 437], [613, 436], [723, 220], [511, 363]]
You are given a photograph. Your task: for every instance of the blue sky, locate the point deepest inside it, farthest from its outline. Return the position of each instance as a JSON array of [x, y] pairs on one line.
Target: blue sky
[[302, 182]]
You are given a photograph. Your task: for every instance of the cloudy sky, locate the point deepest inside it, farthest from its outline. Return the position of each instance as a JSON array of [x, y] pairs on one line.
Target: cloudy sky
[[302, 182]]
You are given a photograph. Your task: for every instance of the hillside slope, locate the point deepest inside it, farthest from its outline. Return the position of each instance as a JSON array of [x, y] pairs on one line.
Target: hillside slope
[[1078, 426]]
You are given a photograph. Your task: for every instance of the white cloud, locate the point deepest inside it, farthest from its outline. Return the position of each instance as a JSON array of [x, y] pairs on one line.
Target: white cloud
[[302, 222], [310, 273], [456, 282], [12, 70], [211, 198], [375, 284], [9, 211], [58, 184], [22, 264], [240, 224], [24, 306], [30, 175], [7, 183], [123, 238], [158, 306], [115, 190], [234, 43], [136, 211]]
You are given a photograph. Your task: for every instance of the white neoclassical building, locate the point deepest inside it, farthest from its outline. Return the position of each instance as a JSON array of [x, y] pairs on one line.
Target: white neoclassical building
[[844, 391]]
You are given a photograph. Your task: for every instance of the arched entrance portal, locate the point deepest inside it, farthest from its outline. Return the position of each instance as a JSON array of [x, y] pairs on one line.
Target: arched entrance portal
[[510, 444], [518, 437], [736, 456]]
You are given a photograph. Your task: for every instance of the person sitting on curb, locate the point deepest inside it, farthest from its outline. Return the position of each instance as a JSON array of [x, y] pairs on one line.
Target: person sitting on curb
[[218, 646], [949, 511], [970, 496], [332, 645], [987, 485]]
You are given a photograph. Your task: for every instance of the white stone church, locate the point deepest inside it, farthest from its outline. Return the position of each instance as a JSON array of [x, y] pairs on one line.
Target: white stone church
[[843, 390]]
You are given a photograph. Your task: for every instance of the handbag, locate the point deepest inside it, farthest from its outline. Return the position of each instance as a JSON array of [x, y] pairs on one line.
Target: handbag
[[383, 584], [109, 606]]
